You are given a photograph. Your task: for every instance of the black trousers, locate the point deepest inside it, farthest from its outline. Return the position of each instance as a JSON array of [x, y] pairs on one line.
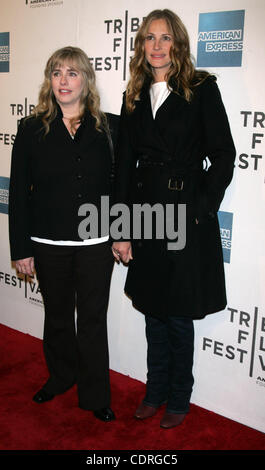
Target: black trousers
[[76, 348]]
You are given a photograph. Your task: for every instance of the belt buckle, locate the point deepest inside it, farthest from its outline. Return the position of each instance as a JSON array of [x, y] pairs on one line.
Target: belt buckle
[[173, 184]]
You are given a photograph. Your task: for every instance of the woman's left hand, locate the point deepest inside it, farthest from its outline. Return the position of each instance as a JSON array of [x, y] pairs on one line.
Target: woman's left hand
[[25, 266], [122, 251]]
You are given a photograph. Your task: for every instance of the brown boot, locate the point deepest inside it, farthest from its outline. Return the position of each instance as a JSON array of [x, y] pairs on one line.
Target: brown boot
[[145, 411], [170, 420]]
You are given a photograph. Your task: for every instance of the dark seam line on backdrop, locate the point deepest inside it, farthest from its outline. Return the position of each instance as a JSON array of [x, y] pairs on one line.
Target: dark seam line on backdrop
[[125, 45], [253, 342]]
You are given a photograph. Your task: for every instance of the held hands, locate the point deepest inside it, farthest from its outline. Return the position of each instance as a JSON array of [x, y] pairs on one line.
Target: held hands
[[25, 266], [122, 251]]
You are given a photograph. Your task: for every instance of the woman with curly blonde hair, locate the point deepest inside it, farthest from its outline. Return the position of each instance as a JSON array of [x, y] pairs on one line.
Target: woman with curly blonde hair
[[181, 72], [172, 118], [61, 160]]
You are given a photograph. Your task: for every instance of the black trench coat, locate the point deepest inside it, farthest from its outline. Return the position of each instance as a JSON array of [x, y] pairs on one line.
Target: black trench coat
[[173, 146]]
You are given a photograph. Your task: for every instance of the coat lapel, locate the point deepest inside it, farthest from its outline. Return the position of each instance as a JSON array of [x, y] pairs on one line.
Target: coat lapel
[[171, 107], [171, 121], [169, 114], [146, 125]]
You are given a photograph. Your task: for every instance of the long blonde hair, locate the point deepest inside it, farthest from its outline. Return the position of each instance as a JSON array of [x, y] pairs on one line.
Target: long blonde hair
[[181, 74], [46, 108]]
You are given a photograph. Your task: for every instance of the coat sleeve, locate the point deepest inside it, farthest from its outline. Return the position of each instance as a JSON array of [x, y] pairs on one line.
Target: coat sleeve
[[125, 159], [125, 162], [218, 146], [113, 123], [19, 196]]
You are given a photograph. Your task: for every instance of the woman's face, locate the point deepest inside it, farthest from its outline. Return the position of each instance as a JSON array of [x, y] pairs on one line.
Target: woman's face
[[67, 85], [157, 45]]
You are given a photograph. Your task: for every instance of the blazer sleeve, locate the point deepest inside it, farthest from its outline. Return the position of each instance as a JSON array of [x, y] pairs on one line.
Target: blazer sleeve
[[19, 195], [113, 121], [218, 146]]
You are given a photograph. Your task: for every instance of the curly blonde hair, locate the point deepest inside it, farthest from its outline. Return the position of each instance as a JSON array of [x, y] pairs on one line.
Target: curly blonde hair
[[46, 108], [181, 76]]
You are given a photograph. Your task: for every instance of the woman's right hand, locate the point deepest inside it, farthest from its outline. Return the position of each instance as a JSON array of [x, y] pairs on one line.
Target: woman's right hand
[[122, 251], [25, 266]]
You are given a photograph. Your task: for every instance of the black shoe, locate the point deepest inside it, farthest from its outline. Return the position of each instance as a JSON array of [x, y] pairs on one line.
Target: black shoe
[[105, 414], [42, 396]]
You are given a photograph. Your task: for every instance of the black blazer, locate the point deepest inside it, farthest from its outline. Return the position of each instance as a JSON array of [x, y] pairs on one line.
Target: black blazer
[[52, 176]]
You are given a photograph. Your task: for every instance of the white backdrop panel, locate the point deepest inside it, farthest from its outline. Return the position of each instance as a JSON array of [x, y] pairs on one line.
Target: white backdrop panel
[[229, 365]]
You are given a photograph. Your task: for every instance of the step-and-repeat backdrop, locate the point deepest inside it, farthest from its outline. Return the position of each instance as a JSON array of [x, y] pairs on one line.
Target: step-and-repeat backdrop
[[227, 38]]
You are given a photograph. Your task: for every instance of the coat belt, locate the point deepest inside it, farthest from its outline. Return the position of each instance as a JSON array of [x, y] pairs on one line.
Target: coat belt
[[176, 174]]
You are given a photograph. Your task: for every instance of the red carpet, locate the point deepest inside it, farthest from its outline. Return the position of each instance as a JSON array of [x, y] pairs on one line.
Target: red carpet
[[61, 425]]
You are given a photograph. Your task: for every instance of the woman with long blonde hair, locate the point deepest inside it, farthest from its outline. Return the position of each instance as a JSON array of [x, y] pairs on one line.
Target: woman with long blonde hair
[[62, 159], [172, 118], [89, 98]]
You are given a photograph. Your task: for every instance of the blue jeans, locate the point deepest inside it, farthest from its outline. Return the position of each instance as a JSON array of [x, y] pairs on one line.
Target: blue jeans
[[170, 347]]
